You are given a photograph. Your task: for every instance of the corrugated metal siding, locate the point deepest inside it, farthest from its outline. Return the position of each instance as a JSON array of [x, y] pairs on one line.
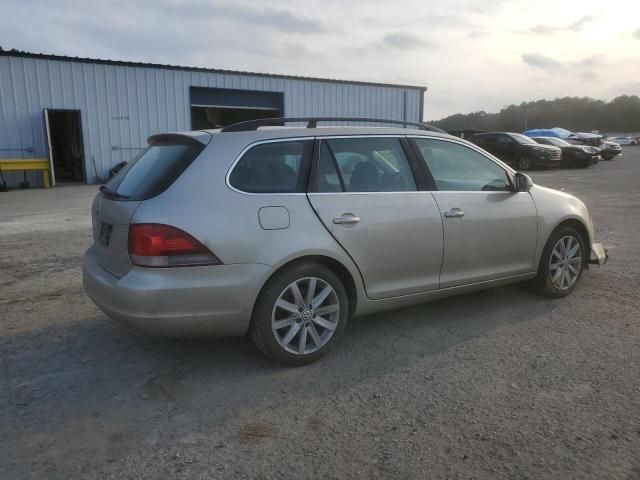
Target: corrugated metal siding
[[121, 106]]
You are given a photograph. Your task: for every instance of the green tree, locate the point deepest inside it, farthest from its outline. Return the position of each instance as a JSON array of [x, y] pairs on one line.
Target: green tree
[[622, 114]]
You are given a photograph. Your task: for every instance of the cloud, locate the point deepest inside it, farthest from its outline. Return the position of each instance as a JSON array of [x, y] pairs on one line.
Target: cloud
[[545, 62], [592, 61], [589, 76], [263, 16], [476, 34], [274, 17], [544, 29], [577, 26], [539, 60], [403, 40], [486, 6], [637, 34]]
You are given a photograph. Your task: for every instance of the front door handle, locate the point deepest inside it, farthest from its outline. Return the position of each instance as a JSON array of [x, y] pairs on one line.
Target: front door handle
[[454, 213], [347, 219]]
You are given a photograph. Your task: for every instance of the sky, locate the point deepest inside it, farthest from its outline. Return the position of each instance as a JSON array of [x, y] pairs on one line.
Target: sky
[[471, 55]]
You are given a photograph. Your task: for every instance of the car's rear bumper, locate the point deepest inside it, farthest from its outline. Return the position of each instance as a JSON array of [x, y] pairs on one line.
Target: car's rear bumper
[[599, 254], [179, 302]]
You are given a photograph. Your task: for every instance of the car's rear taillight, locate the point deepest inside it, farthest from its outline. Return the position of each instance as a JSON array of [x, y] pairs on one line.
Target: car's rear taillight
[[156, 245]]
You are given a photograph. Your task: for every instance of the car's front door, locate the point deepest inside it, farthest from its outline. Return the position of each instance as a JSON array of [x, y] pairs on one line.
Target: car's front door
[[365, 193], [490, 231]]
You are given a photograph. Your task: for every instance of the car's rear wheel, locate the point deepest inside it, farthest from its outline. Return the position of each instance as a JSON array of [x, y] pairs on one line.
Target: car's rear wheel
[[562, 264], [524, 163], [300, 314], [586, 164]]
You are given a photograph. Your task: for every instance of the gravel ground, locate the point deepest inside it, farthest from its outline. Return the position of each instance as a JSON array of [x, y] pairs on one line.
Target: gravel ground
[[498, 384]]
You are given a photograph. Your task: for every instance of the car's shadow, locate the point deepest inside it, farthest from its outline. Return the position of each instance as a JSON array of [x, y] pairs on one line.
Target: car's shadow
[[95, 375], [94, 361]]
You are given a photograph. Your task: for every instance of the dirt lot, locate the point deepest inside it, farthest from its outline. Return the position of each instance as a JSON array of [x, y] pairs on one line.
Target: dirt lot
[[499, 384]]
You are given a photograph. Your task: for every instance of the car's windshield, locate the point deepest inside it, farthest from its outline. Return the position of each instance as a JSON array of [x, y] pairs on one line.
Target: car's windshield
[[558, 142], [522, 139]]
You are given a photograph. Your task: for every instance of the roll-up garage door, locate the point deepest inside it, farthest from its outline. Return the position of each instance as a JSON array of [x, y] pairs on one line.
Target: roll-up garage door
[[217, 107]]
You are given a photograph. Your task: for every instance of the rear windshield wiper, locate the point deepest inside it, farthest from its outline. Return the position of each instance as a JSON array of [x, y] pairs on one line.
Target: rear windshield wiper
[[107, 192]]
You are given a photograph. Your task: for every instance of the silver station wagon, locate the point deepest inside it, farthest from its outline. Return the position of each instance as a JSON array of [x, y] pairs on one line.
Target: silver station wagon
[[287, 232]]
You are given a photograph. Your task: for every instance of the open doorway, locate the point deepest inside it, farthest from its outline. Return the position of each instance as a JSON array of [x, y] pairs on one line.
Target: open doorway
[[216, 117], [64, 137]]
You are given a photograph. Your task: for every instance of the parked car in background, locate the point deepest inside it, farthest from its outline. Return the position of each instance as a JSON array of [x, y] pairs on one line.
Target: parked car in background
[[573, 156], [287, 233], [623, 140], [518, 150], [583, 138], [610, 150]]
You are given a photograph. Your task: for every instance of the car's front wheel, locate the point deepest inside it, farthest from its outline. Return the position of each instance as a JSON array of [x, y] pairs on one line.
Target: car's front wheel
[[300, 314], [524, 163], [563, 261]]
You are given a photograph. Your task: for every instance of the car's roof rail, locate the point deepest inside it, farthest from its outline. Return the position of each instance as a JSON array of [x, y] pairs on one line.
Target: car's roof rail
[[312, 122]]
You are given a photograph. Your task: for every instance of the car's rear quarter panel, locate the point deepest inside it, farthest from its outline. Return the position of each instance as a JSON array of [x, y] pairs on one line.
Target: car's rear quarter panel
[[226, 221]]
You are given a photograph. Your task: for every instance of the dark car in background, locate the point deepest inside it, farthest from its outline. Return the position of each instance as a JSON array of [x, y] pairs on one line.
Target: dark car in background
[[573, 156], [518, 150]]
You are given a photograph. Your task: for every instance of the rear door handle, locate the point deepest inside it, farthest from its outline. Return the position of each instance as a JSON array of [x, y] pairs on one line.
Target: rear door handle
[[347, 219], [454, 213]]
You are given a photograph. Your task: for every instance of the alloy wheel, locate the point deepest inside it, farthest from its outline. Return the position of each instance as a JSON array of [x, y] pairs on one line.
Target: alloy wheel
[[524, 163], [305, 316], [566, 262]]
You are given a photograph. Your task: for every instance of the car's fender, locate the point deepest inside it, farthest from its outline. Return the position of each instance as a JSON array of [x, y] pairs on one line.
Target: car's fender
[[556, 207]]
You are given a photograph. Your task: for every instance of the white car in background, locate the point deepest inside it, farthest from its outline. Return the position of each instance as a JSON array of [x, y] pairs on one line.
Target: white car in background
[[623, 140]]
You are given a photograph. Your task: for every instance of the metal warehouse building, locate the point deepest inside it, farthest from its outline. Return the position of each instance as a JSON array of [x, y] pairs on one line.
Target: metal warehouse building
[[86, 115]]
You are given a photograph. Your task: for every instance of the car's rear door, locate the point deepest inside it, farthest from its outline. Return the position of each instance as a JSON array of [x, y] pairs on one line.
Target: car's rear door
[[490, 231], [488, 142], [365, 191]]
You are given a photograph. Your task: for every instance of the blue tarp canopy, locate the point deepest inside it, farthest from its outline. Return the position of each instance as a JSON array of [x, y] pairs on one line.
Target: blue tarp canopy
[[548, 132]]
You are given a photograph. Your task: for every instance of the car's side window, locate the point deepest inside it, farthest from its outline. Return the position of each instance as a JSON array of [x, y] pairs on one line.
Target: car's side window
[[374, 164], [276, 167], [456, 167]]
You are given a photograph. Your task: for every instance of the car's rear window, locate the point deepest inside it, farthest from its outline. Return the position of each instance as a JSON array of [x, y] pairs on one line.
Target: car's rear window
[[154, 170]]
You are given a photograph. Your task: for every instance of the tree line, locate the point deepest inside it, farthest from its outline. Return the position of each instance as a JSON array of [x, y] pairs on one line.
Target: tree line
[[622, 114]]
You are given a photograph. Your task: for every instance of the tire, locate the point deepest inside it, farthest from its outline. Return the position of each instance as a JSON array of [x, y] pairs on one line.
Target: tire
[[547, 281], [280, 330], [524, 163], [591, 164]]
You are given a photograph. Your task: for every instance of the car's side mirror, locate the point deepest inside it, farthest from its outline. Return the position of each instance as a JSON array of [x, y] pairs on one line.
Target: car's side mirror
[[522, 182]]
